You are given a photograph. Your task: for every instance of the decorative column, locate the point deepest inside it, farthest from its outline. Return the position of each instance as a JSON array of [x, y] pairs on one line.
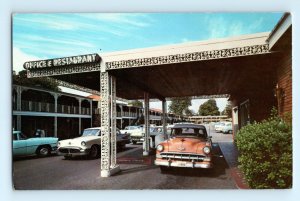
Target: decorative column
[[108, 154], [113, 122], [164, 121], [147, 128]]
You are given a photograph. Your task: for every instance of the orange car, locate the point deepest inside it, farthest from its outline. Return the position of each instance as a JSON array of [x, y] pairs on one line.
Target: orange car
[[188, 146]]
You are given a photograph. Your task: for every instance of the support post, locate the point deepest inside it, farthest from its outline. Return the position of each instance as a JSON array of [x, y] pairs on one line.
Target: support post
[[19, 122], [79, 125], [107, 168], [91, 112], [147, 129], [19, 98], [55, 111], [164, 121], [235, 121], [113, 123], [55, 126]]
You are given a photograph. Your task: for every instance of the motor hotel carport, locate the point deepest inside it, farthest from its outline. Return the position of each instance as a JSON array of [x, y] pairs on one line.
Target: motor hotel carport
[[242, 67]]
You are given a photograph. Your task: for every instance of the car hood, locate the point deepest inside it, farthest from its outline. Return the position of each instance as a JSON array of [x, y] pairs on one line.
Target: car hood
[[186, 144], [77, 141]]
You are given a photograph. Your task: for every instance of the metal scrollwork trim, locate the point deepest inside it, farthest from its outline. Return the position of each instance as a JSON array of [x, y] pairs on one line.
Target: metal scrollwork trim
[[187, 57]]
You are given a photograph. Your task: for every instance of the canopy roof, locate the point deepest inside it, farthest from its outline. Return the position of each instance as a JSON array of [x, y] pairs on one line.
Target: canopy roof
[[223, 66]]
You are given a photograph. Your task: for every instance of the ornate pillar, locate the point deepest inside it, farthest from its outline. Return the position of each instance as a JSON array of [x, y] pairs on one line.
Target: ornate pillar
[[113, 122], [164, 121], [108, 109], [147, 128]]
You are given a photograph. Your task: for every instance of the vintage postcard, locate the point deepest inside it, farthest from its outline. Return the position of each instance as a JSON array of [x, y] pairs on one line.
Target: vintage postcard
[[152, 101]]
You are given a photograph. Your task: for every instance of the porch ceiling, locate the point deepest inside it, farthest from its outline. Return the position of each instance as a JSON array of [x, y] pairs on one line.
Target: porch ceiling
[[211, 77]]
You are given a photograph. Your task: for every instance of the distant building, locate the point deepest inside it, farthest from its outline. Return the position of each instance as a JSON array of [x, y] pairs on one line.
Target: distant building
[[65, 115]]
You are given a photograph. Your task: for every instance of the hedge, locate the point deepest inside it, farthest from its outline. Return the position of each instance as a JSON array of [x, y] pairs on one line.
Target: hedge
[[265, 153]]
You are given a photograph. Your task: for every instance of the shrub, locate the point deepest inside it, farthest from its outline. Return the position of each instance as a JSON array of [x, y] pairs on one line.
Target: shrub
[[265, 153]]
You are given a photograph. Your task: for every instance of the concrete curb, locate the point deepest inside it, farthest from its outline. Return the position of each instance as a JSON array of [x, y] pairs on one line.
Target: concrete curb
[[239, 179]]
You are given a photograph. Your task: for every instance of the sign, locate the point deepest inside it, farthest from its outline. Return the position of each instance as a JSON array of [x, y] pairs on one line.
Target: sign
[[80, 59]]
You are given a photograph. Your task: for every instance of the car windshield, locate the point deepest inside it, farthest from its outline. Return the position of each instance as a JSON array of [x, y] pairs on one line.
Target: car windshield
[[91, 132], [189, 132]]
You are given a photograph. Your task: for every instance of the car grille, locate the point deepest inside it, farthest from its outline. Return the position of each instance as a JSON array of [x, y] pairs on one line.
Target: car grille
[[70, 150], [183, 156]]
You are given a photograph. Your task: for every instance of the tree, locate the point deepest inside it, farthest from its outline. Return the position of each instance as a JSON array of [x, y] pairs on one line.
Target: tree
[[136, 103], [209, 108], [227, 110], [21, 79], [180, 106]]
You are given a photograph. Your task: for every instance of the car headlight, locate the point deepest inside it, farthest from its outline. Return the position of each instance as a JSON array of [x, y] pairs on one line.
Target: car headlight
[[83, 143], [160, 147], [206, 150]]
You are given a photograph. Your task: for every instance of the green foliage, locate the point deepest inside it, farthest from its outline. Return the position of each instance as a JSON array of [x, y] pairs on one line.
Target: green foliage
[[136, 103], [227, 110], [209, 108], [21, 79], [266, 153], [180, 106]]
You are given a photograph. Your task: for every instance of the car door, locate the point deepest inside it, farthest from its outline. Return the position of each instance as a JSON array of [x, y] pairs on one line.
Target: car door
[[19, 144]]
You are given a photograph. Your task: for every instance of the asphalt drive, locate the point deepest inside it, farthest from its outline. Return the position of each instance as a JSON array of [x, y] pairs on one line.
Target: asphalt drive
[[138, 172]]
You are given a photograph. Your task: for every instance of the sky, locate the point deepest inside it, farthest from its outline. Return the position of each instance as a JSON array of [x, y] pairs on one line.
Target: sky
[[53, 35]]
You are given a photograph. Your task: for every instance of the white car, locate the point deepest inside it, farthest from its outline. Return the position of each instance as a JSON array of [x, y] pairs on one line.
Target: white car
[[227, 128], [219, 126], [88, 144], [128, 129]]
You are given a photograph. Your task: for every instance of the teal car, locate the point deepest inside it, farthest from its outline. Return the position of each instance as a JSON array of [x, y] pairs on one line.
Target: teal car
[[42, 146]]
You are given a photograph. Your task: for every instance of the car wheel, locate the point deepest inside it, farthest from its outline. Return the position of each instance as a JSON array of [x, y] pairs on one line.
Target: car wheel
[[43, 151], [230, 131], [94, 152]]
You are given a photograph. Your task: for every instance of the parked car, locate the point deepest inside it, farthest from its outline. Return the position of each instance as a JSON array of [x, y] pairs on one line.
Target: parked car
[[189, 146], [219, 126], [227, 128], [24, 146], [88, 144], [138, 135], [128, 129]]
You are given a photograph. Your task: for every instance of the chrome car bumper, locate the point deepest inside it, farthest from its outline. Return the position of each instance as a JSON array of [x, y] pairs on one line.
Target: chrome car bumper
[[188, 164], [72, 151]]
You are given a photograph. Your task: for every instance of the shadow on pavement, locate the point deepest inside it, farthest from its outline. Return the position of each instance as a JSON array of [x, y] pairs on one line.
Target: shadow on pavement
[[32, 157], [136, 169]]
